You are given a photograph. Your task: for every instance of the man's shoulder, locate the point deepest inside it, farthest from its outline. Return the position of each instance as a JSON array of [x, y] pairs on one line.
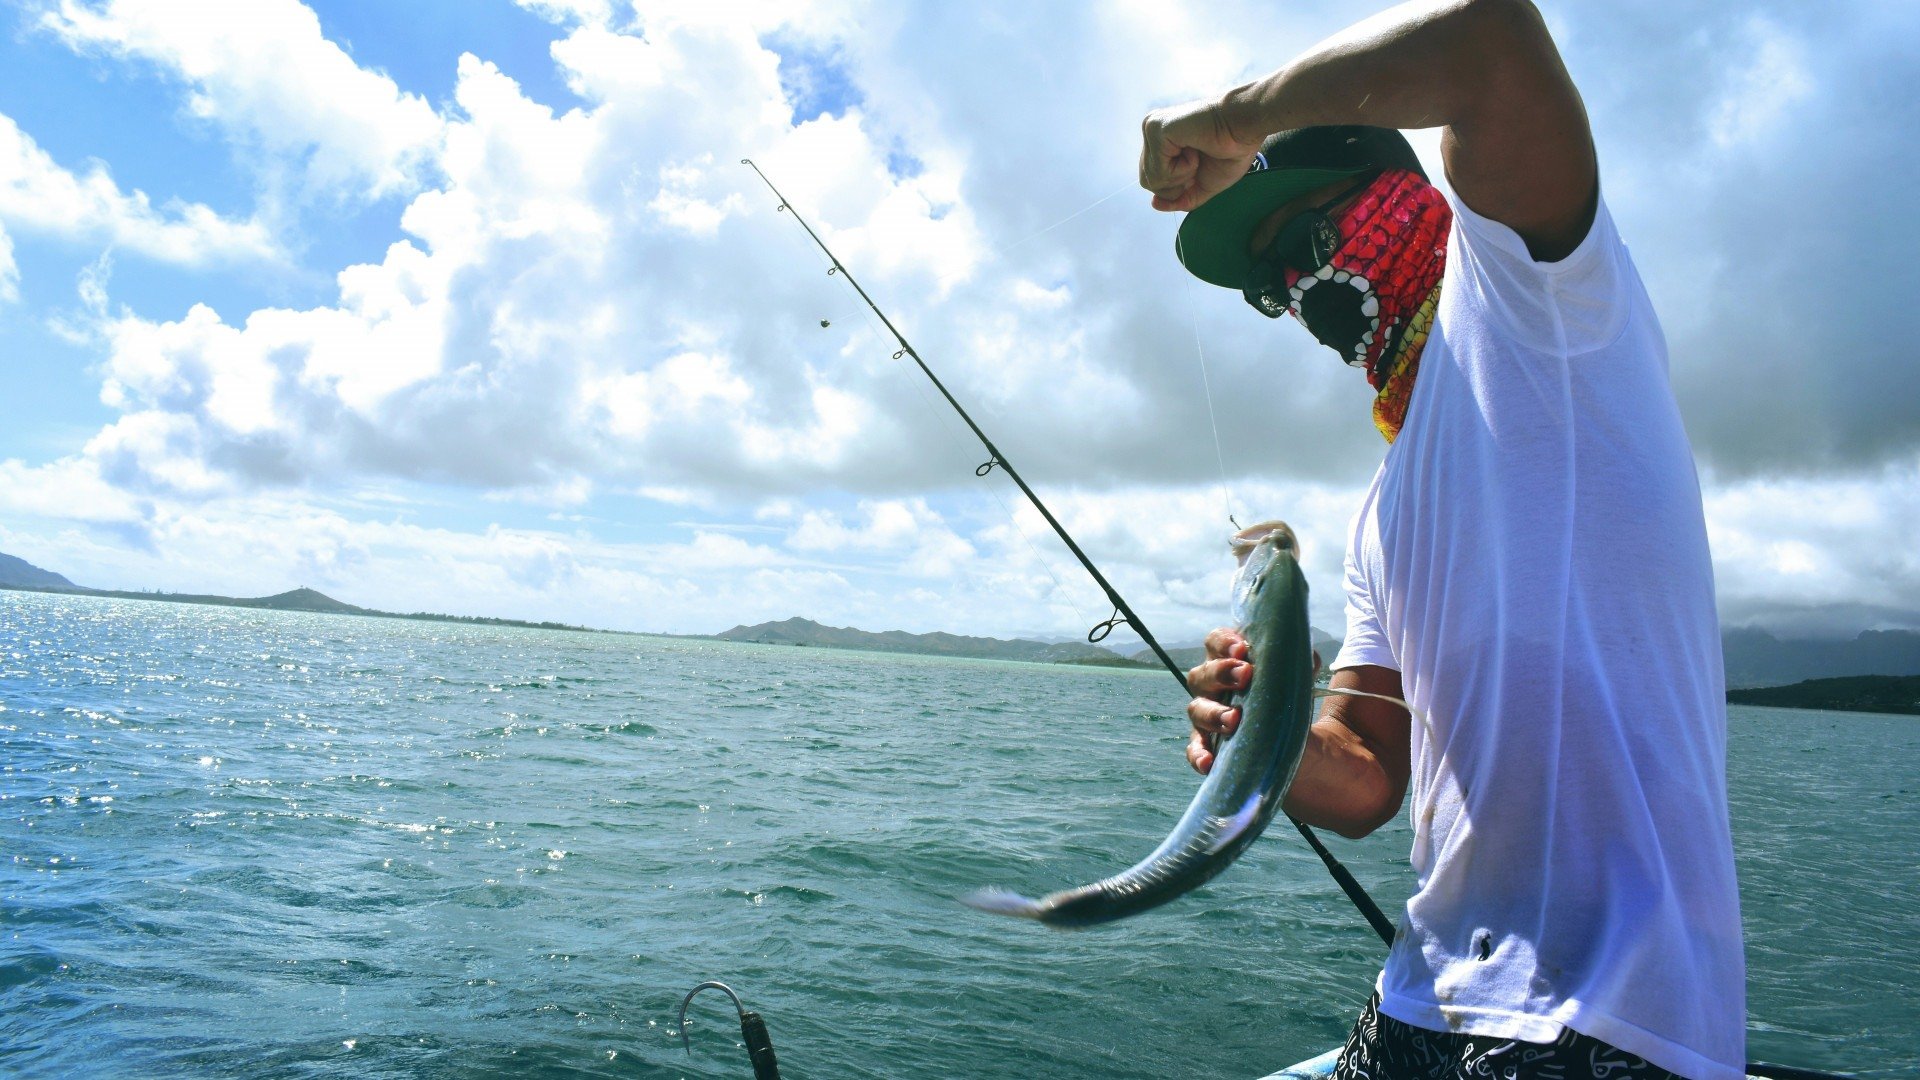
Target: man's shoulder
[[1567, 305]]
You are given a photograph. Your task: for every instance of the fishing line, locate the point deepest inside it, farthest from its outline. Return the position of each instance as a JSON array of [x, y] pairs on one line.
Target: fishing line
[[1000, 253], [1060, 587], [1348, 884], [1193, 320], [1422, 811], [1123, 614], [1128, 186], [1206, 384], [944, 419]]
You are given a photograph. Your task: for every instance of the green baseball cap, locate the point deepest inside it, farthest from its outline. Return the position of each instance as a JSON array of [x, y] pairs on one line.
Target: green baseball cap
[[1212, 242]]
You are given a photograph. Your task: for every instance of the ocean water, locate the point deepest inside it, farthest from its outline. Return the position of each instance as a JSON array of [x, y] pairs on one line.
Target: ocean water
[[243, 843]]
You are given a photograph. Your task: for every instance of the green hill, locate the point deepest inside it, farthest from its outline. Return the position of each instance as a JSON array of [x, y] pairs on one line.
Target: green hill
[[304, 599], [21, 574], [798, 631], [1854, 693], [1189, 656], [1861, 673]]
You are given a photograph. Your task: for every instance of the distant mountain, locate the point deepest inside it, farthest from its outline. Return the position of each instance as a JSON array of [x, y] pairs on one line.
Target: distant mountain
[[294, 600], [21, 576], [1757, 658], [304, 599], [1189, 656], [20, 573], [799, 631], [1754, 657], [1858, 693], [1185, 658]]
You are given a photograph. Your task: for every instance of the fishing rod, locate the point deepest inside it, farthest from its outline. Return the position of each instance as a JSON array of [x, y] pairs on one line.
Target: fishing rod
[[1122, 613]]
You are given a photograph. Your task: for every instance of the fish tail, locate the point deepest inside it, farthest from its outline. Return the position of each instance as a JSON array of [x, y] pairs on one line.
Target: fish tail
[[1005, 902]]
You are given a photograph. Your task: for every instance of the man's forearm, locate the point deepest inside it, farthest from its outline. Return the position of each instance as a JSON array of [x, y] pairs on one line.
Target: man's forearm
[[1342, 784], [1517, 147], [1421, 64]]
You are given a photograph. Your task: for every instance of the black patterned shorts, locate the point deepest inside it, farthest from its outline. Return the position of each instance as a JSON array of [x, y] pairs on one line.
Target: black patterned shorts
[[1382, 1048]]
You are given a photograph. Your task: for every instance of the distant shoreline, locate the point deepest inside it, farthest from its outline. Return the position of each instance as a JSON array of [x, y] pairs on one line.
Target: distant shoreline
[[1881, 694], [1895, 694], [302, 600]]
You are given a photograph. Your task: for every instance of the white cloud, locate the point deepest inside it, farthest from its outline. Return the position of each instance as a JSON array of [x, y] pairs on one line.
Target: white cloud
[[263, 71], [1760, 93], [37, 194], [1840, 544], [91, 284], [566, 492], [571, 12], [155, 451], [69, 490], [681, 385], [1030, 295], [601, 301], [576, 302], [1801, 556], [678, 203], [905, 536], [266, 544], [196, 365], [9, 270], [972, 573]]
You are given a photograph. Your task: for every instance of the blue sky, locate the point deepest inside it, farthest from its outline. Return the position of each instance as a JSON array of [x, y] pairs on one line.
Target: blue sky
[[468, 306]]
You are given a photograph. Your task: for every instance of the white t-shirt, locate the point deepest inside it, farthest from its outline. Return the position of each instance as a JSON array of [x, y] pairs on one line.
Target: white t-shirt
[[1532, 557]]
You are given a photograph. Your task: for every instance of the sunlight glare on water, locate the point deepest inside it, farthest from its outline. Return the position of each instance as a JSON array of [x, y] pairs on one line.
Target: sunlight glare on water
[[243, 843]]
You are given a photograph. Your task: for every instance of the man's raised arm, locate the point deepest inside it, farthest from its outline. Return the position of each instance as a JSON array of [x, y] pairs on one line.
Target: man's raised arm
[[1517, 146]]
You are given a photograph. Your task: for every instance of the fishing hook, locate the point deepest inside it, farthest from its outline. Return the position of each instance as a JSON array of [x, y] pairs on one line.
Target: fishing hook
[[753, 1030]]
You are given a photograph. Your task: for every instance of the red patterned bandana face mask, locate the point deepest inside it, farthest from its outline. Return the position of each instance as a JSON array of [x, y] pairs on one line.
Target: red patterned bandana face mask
[[1364, 284]]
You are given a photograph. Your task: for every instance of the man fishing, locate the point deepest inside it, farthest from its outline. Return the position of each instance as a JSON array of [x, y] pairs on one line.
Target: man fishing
[[1529, 568]]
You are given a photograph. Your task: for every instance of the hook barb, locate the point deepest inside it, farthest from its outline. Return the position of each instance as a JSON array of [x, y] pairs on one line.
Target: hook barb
[[684, 1002]]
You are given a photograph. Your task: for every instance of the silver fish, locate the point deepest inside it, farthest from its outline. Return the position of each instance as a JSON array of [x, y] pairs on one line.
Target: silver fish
[[1250, 771]]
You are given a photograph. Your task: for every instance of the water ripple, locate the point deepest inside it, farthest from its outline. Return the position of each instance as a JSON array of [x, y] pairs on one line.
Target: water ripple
[[244, 843]]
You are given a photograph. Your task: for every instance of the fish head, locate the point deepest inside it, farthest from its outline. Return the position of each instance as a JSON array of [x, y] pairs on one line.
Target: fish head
[[1274, 535], [1255, 549]]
